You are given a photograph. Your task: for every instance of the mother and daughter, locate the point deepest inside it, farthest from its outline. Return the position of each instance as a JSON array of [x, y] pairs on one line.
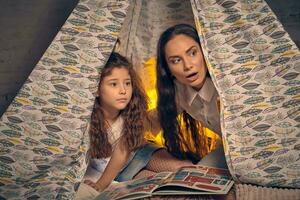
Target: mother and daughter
[[187, 99]]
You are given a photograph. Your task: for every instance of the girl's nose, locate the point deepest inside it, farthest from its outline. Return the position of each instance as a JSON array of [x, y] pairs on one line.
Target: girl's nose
[[122, 89]]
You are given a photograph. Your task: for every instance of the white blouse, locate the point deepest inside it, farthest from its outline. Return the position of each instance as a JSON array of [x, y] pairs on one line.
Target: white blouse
[[201, 105], [115, 131], [96, 166]]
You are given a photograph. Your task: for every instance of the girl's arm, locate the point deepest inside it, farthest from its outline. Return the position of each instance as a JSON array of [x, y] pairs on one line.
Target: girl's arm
[[118, 159]]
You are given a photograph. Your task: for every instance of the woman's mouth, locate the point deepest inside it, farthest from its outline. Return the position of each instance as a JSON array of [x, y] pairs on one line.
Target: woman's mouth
[[192, 77]]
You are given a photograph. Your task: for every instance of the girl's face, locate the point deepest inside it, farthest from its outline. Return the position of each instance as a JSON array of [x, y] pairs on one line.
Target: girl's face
[[115, 90], [185, 60]]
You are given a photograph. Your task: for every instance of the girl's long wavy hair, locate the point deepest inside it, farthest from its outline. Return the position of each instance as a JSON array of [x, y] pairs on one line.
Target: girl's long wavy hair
[[174, 134], [133, 115]]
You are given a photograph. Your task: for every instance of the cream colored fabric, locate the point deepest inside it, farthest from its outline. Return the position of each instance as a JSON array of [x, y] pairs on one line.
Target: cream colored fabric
[[43, 133], [143, 26], [254, 65]]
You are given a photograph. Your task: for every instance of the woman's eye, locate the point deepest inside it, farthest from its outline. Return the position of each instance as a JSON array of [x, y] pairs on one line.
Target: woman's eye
[[113, 84], [193, 53], [175, 61]]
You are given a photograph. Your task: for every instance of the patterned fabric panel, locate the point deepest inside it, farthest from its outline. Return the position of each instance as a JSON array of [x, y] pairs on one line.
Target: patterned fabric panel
[[145, 22], [43, 133], [255, 67]]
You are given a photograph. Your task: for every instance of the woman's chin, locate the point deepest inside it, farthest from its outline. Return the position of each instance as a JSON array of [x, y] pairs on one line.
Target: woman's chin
[[197, 84]]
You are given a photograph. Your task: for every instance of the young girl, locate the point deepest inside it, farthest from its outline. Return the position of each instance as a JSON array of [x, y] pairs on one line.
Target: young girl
[[117, 124], [185, 87]]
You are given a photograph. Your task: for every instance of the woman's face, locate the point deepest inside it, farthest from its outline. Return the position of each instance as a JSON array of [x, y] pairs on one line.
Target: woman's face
[[185, 60]]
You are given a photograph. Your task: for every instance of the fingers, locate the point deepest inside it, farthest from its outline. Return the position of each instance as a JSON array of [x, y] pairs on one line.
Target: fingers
[[93, 185]]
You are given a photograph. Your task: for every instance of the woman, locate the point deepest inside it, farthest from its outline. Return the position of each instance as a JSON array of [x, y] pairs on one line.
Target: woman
[[185, 87]]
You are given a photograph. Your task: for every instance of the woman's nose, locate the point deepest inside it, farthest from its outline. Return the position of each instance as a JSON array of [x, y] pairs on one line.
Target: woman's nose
[[187, 65]]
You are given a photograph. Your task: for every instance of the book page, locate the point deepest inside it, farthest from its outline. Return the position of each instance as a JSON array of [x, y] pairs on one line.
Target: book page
[[197, 179], [134, 189]]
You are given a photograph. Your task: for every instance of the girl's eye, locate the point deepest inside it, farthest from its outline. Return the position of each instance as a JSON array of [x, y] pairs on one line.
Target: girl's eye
[[128, 83], [113, 84]]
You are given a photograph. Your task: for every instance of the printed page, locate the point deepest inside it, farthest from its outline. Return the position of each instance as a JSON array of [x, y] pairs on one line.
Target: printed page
[[135, 189], [197, 180]]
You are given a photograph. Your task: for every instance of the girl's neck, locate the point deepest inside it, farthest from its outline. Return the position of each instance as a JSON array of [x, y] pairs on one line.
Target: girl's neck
[[110, 115]]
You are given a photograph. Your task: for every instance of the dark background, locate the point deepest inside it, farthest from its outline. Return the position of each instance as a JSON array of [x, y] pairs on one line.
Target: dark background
[[27, 27]]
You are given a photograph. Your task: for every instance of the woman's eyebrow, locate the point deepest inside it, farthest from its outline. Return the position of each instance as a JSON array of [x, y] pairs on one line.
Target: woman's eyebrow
[[170, 57], [189, 49]]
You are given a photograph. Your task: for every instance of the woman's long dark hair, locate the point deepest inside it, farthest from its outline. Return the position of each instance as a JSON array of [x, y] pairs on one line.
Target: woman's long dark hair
[[133, 115], [174, 135]]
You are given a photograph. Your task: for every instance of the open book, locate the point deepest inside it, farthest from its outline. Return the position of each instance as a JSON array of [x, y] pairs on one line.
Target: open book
[[189, 180]]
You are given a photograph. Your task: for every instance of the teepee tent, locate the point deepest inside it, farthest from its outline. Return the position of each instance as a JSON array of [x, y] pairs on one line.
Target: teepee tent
[[251, 59]]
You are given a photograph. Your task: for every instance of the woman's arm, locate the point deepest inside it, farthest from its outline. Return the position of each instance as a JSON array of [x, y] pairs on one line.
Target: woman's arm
[[118, 159]]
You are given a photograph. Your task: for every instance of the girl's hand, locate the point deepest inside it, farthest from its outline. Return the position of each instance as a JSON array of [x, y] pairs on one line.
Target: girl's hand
[[93, 185]]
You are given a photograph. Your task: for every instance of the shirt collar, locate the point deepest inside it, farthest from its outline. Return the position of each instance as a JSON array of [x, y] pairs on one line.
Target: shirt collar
[[206, 92]]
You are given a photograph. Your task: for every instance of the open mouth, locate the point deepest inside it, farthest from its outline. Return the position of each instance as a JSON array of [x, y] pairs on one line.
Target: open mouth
[[192, 76]]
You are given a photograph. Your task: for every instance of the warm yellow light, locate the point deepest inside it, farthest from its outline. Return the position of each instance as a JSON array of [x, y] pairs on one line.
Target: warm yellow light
[[152, 95]]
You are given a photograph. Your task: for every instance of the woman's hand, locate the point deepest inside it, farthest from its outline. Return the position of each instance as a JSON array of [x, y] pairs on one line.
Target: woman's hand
[[94, 185]]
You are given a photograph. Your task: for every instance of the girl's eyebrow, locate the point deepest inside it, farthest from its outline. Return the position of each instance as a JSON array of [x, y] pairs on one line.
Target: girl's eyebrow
[[116, 79], [112, 79]]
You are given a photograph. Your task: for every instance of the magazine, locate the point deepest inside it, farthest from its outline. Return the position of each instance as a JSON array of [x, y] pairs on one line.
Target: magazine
[[189, 180]]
